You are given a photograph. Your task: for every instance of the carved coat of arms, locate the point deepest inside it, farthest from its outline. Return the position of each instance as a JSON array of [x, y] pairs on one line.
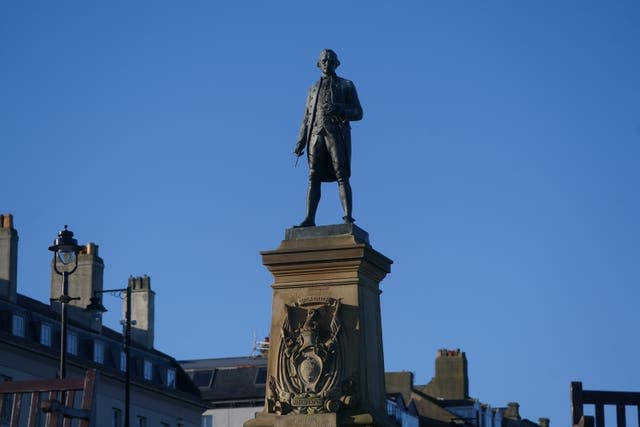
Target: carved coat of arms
[[309, 377]]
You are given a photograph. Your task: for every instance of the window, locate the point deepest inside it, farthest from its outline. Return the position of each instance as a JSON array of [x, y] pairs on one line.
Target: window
[[72, 343], [45, 334], [116, 417], [123, 361], [207, 421], [98, 351], [142, 421], [7, 401], [5, 413], [148, 370], [202, 378], [171, 378], [261, 376], [17, 325]]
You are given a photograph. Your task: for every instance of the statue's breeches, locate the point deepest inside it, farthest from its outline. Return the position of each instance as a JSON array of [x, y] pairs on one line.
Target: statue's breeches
[[328, 159]]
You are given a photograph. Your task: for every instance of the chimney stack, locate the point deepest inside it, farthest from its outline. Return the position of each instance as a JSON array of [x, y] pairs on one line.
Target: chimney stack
[[142, 310], [544, 422], [513, 411], [8, 258], [451, 380], [82, 284]]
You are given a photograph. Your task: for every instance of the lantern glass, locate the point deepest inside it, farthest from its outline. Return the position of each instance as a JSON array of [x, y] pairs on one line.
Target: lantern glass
[[66, 255]]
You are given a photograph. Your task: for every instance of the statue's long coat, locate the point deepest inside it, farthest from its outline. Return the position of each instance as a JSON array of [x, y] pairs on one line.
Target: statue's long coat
[[342, 91]]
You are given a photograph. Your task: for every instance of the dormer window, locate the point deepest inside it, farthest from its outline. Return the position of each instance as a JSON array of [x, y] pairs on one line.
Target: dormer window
[[148, 370], [202, 378], [17, 325], [72, 343], [171, 378], [98, 352], [45, 334], [123, 361], [261, 376]]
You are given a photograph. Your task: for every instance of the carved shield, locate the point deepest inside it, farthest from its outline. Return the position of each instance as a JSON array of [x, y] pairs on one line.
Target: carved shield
[[309, 377]]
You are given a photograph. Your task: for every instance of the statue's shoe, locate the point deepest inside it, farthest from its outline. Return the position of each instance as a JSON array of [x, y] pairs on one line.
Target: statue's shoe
[[306, 223], [348, 219]]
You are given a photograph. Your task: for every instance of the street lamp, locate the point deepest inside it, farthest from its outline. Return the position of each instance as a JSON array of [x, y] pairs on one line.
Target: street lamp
[[65, 249], [95, 306]]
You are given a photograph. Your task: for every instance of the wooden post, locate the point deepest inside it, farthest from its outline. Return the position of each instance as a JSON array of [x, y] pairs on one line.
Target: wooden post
[[576, 402]]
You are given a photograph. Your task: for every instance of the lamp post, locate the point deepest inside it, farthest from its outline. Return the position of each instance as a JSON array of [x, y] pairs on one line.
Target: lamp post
[[65, 249], [96, 306]]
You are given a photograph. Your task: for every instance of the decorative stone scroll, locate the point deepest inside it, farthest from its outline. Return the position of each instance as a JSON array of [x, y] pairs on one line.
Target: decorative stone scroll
[[310, 376]]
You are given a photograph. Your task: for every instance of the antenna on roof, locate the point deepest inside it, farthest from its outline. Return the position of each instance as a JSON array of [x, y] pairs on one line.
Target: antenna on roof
[[260, 348]]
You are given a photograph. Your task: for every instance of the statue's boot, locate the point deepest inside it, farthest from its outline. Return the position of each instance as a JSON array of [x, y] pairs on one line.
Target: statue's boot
[[307, 222], [344, 189]]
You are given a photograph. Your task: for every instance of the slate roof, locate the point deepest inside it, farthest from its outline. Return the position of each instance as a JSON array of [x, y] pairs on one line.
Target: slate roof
[[233, 381]]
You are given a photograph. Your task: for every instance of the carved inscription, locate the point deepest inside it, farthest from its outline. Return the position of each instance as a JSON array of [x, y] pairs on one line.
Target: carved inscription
[[306, 401]]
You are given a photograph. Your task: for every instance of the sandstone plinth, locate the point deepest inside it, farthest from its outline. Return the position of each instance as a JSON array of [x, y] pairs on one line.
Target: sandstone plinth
[[326, 365]]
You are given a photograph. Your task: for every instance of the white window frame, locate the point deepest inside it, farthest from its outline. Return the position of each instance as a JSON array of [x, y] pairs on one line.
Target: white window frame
[[72, 343], [17, 325], [123, 361], [98, 352], [45, 334], [148, 370], [171, 378]]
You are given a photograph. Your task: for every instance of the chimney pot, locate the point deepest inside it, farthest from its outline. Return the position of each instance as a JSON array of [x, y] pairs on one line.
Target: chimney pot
[[6, 220], [90, 249]]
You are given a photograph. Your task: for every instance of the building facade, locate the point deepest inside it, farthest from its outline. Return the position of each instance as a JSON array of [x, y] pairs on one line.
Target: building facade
[[445, 401], [161, 393], [233, 388]]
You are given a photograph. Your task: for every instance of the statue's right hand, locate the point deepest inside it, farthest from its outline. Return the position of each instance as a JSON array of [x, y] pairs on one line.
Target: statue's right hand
[[299, 150]]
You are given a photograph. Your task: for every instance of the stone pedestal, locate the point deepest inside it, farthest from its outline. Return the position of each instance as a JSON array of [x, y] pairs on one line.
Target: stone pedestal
[[326, 365]]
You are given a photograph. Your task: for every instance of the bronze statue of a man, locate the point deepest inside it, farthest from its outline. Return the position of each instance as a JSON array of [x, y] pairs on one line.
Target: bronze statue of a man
[[331, 104]]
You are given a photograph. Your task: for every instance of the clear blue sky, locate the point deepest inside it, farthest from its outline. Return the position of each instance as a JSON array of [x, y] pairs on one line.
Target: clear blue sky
[[496, 164]]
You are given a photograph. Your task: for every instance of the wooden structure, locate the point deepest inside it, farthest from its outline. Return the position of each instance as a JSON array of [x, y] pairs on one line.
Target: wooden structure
[[52, 399], [619, 399]]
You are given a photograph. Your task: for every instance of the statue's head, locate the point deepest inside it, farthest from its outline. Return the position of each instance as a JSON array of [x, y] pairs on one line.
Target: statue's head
[[328, 61]]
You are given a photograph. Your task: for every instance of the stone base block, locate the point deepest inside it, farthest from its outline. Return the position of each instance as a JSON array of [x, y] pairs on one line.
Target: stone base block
[[358, 419], [315, 420]]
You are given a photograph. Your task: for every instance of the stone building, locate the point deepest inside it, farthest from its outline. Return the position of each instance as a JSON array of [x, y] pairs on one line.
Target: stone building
[[161, 393], [445, 401]]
